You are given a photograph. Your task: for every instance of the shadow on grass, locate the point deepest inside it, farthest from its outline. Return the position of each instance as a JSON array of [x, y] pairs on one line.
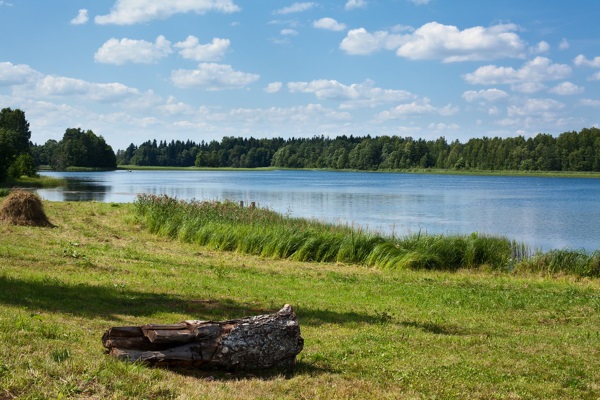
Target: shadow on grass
[[110, 302], [435, 329], [301, 368]]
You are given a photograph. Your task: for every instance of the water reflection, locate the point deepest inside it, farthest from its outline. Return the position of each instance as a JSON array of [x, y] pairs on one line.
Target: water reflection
[[542, 212]]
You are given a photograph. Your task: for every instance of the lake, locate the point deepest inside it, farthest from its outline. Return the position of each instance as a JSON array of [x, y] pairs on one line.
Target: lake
[[544, 213]]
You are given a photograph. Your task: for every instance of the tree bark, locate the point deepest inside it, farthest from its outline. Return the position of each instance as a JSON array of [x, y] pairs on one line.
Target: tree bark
[[263, 341]]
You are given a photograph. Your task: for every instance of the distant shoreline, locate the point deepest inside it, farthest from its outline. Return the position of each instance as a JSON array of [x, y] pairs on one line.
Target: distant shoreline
[[548, 174]]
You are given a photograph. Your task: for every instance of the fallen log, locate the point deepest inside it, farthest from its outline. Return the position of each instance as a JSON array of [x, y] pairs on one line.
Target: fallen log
[[258, 342]]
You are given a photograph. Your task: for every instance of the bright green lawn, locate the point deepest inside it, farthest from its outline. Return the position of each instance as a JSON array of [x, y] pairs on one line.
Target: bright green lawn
[[368, 333]]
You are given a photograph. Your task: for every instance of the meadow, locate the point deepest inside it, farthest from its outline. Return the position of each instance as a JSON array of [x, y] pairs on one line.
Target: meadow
[[479, 328]]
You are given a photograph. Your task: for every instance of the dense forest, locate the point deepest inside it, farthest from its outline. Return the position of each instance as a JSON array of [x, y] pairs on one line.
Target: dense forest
[[570, 151], [77, 148], [15, 157]]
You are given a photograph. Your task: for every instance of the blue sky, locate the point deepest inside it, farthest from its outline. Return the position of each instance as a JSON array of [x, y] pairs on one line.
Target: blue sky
[[134, 70]]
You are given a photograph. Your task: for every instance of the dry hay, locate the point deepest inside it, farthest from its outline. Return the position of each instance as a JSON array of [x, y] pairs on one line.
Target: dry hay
[[23, 208]]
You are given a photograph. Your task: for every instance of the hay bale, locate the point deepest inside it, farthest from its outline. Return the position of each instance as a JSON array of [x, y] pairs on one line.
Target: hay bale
[[23, 208]]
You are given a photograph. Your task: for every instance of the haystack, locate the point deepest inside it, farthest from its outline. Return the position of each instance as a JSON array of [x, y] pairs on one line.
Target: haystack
[[23, 208]]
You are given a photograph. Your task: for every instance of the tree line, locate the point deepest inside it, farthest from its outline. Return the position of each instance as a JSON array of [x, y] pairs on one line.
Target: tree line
[[19, 157], [78, 148], [570, 151]]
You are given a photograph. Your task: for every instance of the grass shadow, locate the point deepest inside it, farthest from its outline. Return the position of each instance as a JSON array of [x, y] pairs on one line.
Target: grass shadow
[[90, 301], [301, 368], [317, 317], [433, 328]]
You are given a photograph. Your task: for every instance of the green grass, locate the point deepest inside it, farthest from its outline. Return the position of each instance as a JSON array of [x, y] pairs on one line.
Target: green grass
[[369, 332], [39, 181]]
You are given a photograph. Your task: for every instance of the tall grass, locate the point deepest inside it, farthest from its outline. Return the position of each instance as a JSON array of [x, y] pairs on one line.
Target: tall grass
[[231, 227]]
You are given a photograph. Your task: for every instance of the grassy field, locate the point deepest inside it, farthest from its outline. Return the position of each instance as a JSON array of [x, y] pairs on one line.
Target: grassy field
[[369, 332]]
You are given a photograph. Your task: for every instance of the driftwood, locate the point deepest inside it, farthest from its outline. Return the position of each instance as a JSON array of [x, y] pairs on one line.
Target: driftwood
[[257, 342]]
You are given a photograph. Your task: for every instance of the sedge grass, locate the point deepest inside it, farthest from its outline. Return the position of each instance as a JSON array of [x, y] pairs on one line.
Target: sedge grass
[[369, 333], [231, 227]]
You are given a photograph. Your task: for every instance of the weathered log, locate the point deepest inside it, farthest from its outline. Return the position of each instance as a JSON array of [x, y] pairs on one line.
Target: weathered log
[[262, 341]]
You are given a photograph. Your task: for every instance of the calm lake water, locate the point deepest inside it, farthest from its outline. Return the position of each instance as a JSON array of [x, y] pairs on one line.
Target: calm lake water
[[544, 213]]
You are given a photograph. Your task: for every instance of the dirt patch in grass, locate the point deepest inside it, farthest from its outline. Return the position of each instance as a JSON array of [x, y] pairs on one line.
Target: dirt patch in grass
[[23, 208]]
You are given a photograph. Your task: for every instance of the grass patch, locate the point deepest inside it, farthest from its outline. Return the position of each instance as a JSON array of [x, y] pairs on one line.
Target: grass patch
[[39, 181], [369, 333]]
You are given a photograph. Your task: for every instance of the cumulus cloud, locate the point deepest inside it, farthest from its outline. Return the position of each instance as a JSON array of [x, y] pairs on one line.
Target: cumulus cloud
[[448, 43], [435, 41], [354, 4], [128, 12], [295, 8], [273, 87], [416, 108], [81, 18], [361, 42], [590, 102], [541, 47], [174, 107], [531, 73], [17, 74], [595, 77], [564, 44], [212, 76], [536, 107], [566, 89], [582, 61], [329, 24], [487, 95], [352, 96], [124, 51], [100, 92], [192, 49], [288, 32]]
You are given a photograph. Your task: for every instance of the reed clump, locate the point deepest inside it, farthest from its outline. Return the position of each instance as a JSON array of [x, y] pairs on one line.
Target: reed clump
[[230, 227]]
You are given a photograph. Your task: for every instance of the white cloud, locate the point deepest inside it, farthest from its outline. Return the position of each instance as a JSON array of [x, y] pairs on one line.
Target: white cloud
[[582, 61], [595, 77], [122, 51], [173, 107], [590, 103], [443, 127], [536, 107], [531, 73], [566, 89], [212, 76], [435, 41], [420, 2], [564, 44], [488, 95], [128, 12], [100, 92], [415, 108], [329, 24], [288, 32], [541, 47], [273, 87], [17, 74], [81, 18], [528, 87], [354, 4], [446, 42], [360, 42], [296, 7], [191, 49], [352, 96]]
